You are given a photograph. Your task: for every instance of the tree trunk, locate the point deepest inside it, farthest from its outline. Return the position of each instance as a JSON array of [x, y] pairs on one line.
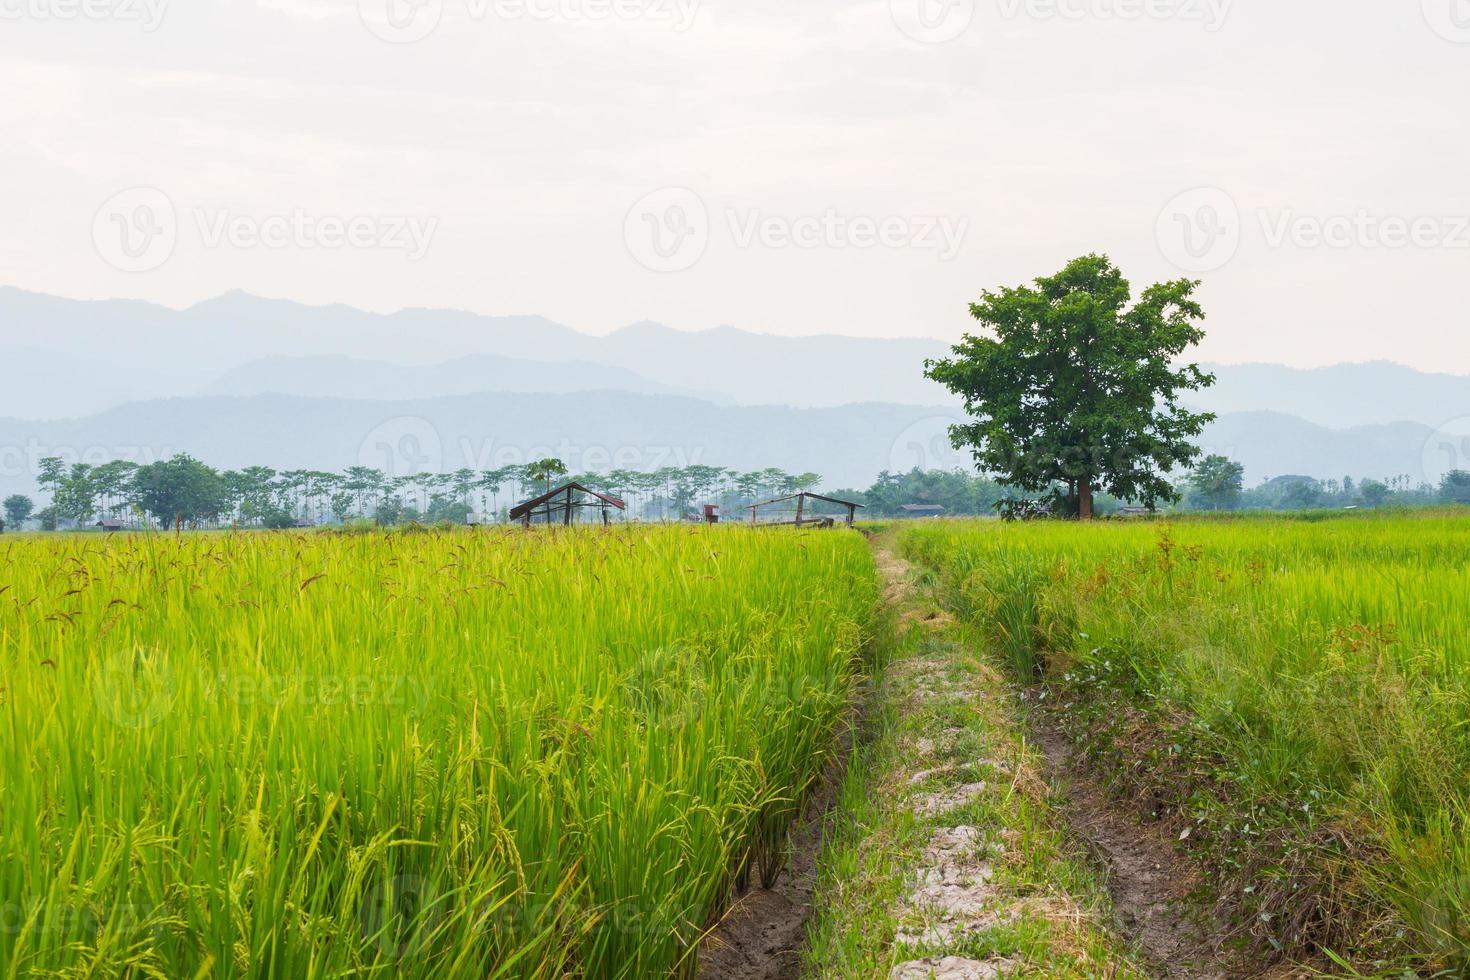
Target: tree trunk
[[1084, 500]]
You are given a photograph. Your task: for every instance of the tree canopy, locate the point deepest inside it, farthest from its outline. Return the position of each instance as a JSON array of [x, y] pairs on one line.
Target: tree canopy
[[180, 489], [17, 508], [1072, 390], [1216, 483]]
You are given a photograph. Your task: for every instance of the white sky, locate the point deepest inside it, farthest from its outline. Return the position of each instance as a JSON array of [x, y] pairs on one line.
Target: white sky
[[523, 139]]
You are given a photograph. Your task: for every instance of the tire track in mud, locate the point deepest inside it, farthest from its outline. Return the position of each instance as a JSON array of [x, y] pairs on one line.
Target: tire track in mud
[[1150, 883], [762, 935]]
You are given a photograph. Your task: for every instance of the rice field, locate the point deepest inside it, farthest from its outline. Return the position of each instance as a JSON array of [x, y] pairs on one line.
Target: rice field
[[436, 754], [1310, 679]]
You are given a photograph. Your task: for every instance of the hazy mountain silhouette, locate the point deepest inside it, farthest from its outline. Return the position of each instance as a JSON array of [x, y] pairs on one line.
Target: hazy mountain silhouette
[[134, 380], [348, 377], [73, 358], [87, 356], [1341, 396]]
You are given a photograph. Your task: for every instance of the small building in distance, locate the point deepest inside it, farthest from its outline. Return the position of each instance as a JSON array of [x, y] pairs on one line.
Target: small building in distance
[[110, 524], [914, 511], [562, 505]]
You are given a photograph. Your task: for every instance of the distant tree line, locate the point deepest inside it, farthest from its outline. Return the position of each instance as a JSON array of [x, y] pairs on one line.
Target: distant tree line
[[187, 492], [961, 494], [1216, 484], [184, 491]]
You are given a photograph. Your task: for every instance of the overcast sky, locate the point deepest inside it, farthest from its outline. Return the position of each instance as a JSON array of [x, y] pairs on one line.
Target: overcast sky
[[790, 166]]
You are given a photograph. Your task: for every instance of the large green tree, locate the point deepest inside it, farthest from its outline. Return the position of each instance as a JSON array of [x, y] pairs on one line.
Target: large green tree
[[1454, 488], [1072, 390], [1216, 482], [18, 507], [180, 489]]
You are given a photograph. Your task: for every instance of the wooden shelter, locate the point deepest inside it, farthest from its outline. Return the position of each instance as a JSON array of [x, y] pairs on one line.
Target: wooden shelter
[[806, 516], [560, 506]]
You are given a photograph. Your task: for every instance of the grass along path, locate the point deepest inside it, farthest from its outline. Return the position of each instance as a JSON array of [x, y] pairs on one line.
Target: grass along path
[[945, 856]]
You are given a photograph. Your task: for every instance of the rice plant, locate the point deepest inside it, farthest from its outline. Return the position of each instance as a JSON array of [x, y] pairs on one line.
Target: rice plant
[[437, 754]]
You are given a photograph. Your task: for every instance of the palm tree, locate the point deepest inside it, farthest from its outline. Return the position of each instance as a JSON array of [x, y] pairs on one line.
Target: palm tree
[[546, 470]]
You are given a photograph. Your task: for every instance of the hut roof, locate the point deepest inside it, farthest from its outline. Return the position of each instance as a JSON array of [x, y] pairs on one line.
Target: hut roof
[[521, 510]]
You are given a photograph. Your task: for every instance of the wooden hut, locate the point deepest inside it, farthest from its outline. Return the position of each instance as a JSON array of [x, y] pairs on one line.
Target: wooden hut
[[561, 506]]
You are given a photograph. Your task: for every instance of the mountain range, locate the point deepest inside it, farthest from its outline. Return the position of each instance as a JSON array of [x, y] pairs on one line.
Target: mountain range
[[239, 380]]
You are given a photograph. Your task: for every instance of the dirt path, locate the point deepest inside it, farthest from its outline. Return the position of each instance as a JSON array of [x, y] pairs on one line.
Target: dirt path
[[959, 887], [981, 864], [1149, 881], [761, 937]]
